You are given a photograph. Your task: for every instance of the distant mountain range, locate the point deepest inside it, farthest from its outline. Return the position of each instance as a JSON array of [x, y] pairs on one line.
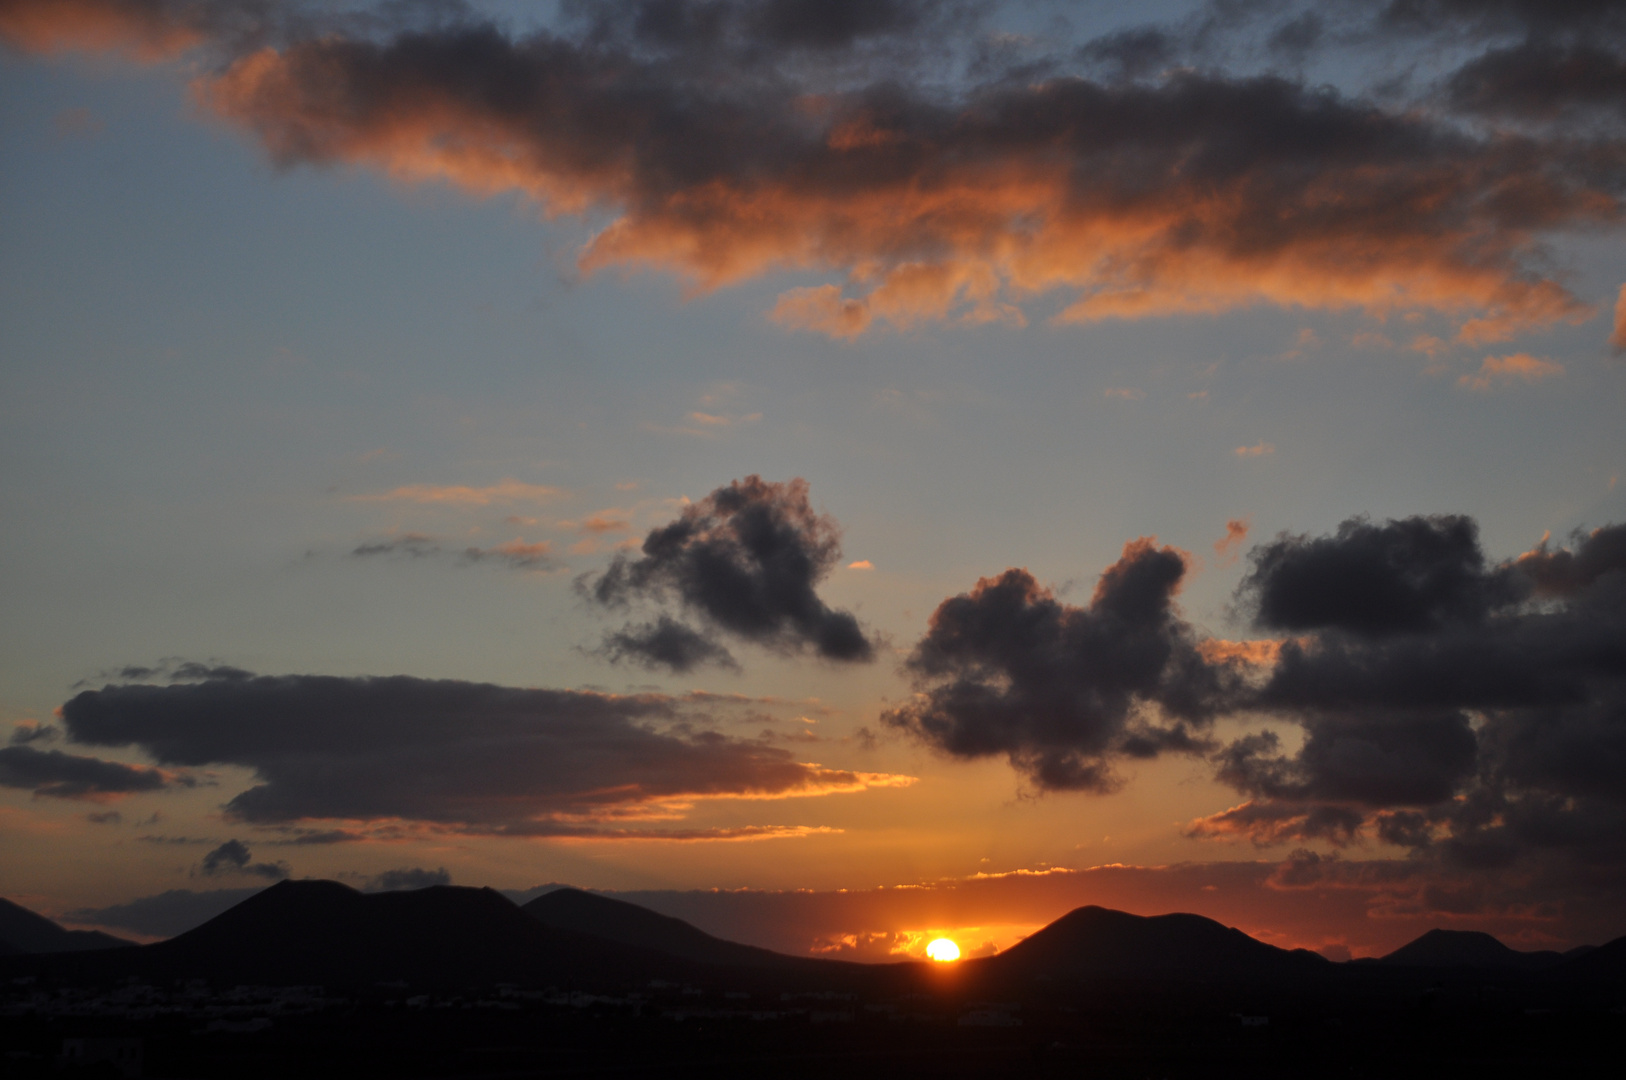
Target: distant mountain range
[[1097, 942], [322, 932], [22, 932], [1473, 949], [616, 920]]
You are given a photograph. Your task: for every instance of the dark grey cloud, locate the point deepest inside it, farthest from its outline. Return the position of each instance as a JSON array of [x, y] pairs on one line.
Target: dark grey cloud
[[1542, 81], [750, 36], [1565, 572], [33, 731], [665, 643], [59, 775], [1064, 691], [447, 754], [1410, 575], [1470, 711], [407, 877], [234, 857], [745, 560], [514, 554], [410, 545], [169, 669]]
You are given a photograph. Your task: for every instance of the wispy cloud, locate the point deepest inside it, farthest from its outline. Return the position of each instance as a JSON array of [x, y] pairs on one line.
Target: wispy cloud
[[1496, 371], [504, 491]]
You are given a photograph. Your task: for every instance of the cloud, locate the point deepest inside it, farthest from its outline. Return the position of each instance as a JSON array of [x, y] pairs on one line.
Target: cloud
[[722, 146], [149, 30], [1542, 81], [33, 731], [1125, 393], [1469, 711], [1228, 546], [1065, 692], [861, 564], [514, 554], [1413, 574], [1259, 449], [234, 857], [1497, 371], [1472, 712], [1617, 339], [1565, 572], [409, 877], [504, 491], [392, 752], [665, 643], [413, 545], [745, 560], [57, 775]]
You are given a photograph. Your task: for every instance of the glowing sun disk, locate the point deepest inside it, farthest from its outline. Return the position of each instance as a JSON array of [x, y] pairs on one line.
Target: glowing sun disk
[[943, 950]]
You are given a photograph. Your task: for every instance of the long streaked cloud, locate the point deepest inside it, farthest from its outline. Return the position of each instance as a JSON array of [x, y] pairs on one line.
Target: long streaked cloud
[[504, 491], [59, 775], [1495, 371], [456, 756], [724, 147]]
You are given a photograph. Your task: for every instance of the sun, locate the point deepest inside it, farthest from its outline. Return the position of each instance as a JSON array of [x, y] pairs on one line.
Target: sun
[[943, 950]]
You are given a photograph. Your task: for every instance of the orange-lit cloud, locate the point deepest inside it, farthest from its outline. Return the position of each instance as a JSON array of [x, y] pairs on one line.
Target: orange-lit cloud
[[1199, 194], [1253, 653], [1618, 338], [1229, 546], [504, 491], [1258, 449], [1497, 371], [932, 212], [144, 31]]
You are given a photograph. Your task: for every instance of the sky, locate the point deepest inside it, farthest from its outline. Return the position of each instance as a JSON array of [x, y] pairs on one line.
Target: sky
[[839, 472]]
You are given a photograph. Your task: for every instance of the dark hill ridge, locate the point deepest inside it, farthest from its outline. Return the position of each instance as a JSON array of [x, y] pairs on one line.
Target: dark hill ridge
[[617, 920], [1604, 964], [1096, 942], [1470, 949], [23, 931], [322, 932]]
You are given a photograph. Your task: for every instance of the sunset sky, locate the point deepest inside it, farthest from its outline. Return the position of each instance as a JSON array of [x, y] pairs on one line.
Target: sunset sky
[[918, 466]]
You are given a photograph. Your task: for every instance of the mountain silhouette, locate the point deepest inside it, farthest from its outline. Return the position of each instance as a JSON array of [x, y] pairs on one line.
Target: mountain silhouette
[[630, 924], [325, 933], [1097, 942], [1605, 964], [1470, 949], [23, 932]]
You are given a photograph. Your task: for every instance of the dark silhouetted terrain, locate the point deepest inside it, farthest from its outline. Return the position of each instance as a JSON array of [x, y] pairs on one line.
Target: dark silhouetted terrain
[[1467, 948], [1096, 942], [312, 977], [616, 920], [22, 931]]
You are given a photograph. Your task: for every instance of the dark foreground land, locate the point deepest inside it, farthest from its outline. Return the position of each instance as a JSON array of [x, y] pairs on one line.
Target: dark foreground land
[[581, 986]]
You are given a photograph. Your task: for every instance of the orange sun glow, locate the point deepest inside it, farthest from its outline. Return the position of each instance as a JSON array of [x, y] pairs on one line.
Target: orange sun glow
[[943, 950]]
